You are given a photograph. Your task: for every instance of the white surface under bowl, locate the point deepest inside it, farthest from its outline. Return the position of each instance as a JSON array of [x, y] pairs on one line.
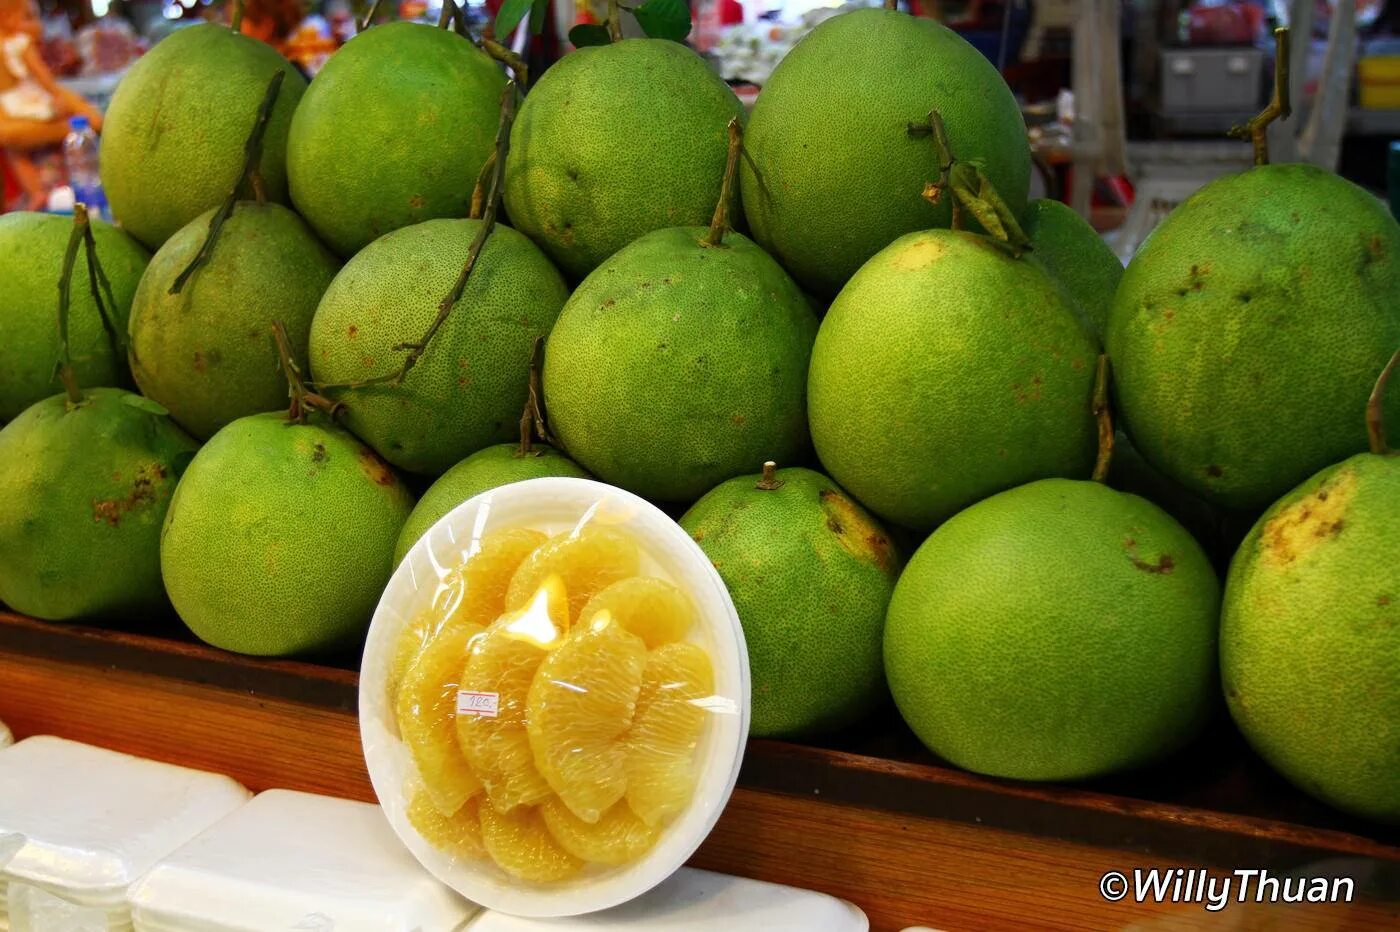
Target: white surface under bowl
[[556, 505]]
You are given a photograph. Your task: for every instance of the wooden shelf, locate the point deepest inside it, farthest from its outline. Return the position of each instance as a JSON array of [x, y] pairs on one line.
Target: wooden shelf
[[910, 842]]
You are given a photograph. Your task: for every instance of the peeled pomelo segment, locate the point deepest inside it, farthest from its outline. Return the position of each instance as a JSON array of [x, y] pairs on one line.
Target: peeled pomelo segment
[[660, 767], [502, 665], [522, 846], [458, 834], [426, 708], [618, 837], [651, 608], [486, 576], [473, 594], [588, 561], [580, 705]]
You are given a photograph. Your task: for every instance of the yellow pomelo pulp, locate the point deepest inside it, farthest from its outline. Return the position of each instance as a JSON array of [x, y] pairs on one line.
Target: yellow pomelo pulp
[[503, 661], [520, 843], [660, 747], [588, 561], [580, 705], [427, 715], [651, 608], [618, 837], [458, 834]]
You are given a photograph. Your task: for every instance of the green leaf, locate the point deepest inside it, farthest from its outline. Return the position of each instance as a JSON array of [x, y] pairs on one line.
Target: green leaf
[[509, 16], [537, 14], [664, 19], [142, 403], [589, 34]]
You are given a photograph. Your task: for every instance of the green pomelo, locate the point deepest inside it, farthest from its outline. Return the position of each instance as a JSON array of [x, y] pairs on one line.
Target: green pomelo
[[1075, 254], [616, 141], [280, 537], [811, 574], [208, 353], [1248, 330], [677, 365], [467, 389], [1129, 472], [1310, 636], [486, 469], [393, 131], [947, 371], [83, 492], [173, 139], [1057, 631], [31, 261], [833, 173]]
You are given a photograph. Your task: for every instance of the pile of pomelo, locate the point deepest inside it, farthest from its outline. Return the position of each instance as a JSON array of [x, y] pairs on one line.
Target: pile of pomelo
[[463, 281]]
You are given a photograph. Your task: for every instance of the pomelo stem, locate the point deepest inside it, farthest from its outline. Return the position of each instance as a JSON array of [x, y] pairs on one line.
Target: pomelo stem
[[971, 190], [506, 56], [614, 21], [303, 400], [102, 296], [532, 418], [891, 4], [235, 22], [369, 16], [449, 10], [1375, 409], [65, 291], [417, 348], [720, 221], [252, 156], [1256, 129], [769, 481], [1105, 421]]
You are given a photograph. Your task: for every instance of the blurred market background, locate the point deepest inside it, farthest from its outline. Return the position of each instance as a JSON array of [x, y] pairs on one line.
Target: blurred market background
[[1126, 103]]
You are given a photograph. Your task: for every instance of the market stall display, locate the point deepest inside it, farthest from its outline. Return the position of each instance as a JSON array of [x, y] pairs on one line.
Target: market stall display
[[630, 429]]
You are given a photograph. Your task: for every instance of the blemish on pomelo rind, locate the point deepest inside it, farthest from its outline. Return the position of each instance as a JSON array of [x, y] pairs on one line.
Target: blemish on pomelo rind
[[919, 254], [856, 533], [111, 511], [1301, 526], [376, 468]]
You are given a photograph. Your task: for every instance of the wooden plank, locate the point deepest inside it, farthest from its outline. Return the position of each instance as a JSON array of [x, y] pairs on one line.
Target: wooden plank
[[901, 868]]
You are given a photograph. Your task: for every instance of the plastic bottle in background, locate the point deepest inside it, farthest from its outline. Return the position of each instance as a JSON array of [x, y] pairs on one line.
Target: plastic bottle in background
[[80, 158]]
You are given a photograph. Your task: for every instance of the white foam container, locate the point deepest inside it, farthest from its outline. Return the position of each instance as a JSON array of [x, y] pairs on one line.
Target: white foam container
[[291, 860], [80, 824], [555, 505], [702, 901]]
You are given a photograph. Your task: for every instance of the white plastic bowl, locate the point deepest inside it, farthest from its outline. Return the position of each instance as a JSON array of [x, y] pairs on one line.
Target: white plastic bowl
[[555, 505]]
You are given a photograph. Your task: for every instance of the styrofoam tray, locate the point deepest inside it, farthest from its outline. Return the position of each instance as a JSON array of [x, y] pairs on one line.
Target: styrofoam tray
[[702, 901], [82, 823], [291, 860]]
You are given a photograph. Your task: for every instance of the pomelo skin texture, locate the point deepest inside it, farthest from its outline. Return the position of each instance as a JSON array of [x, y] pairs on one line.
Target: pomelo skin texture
[[1057, 631], [280, 537], [1074, 253], [83, 492], [1248, 330], [208, 354], [393, 131], [31, 260], [466, 391], [1310, 636], [811, 574], [833, 175], [615, 141], [677, 365], [946, 371], [173, 138], [486, 469]]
